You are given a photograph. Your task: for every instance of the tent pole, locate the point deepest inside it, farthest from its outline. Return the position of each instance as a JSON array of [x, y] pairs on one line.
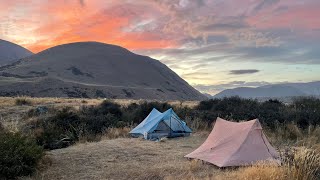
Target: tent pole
[[170, 127]]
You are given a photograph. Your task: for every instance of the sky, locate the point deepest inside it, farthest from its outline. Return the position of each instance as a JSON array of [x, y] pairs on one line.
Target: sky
[[212, 44]]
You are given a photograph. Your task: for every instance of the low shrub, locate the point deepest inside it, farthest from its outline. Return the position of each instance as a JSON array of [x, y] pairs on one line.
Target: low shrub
[[61, 128], [19, 155], [50, 130]]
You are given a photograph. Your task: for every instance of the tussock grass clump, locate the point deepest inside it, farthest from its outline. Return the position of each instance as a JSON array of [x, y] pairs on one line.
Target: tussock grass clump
[[302, 164], [113, 133], [292, 135], [197, 124], [259, 171], [23, 102]]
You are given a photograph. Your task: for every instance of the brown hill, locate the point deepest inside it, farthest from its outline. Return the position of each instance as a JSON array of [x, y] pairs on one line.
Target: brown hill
[[92, 69]]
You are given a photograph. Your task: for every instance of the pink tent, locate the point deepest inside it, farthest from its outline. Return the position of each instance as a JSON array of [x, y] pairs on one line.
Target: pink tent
[[236, 144]]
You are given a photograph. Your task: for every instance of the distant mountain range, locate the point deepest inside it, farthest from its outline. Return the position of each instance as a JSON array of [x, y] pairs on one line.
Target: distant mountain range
[[274, 91], [9, 52], [90, 70]]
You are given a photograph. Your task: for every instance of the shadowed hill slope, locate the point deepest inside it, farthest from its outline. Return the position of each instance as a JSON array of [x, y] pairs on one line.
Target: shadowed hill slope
[[92, 69]]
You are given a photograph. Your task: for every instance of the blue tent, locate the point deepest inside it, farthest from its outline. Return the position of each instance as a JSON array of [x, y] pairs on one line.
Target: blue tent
[[157, 125]]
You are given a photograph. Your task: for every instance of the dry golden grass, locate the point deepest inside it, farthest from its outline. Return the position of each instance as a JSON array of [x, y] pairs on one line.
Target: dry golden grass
[[291, 135], [303, 165], [10, 101], [259, 171], [110, 133], [113, 133], [198, 125]]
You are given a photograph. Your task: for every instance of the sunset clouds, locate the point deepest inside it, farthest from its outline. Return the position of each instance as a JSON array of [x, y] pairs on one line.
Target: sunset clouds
[[207, 42]]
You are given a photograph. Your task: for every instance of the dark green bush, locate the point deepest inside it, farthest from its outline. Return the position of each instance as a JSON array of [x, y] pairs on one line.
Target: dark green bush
[[302, 111], [18, 155], [51, 130]]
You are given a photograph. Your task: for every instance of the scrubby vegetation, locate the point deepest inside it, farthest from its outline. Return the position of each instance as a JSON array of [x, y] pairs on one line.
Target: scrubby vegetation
[[58, 128], [19, 155], [303, 111]]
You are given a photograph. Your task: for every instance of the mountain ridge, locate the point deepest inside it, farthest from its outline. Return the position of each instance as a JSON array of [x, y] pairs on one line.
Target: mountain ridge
[[274, 90]]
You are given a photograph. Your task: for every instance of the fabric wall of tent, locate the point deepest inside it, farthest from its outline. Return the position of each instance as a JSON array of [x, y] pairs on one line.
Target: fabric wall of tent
[[157, 125], [236, 144]]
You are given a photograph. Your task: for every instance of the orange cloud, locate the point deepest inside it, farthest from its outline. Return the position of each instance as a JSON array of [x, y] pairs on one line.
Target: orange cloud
[[60, 22]]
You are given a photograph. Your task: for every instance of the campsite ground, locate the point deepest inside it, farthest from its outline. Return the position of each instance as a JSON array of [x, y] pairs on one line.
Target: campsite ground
[[135, 158], [120, 158], [129, 158]]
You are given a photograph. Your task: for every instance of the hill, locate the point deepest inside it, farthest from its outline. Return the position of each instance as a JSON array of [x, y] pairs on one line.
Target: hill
[[92, 69], [10, 52], [274, 91]]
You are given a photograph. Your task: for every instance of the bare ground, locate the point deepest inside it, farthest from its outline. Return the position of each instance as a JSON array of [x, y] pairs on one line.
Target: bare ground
[[129, 158]]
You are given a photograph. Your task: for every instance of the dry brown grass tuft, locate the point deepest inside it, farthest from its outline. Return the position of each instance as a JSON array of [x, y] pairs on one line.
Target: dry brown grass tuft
[[303, 164], [292, 135], [23, 101], [113, 133], [197, 125], [260, 171], [110, 133]]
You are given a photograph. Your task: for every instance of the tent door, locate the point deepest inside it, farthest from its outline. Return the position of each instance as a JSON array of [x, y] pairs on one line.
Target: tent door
[[162, 128]]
